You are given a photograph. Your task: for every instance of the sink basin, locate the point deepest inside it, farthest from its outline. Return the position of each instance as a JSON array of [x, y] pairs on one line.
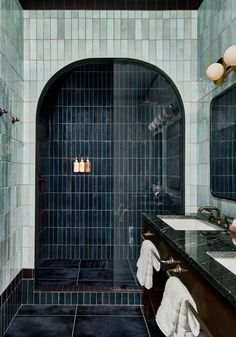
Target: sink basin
[[185, 224], [227, 259]]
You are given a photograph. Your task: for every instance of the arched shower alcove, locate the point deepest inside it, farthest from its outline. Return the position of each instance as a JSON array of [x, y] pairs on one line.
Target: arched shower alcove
[[127, 116]]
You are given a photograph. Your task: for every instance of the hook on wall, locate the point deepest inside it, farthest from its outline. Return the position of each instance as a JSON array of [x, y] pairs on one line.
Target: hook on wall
[[14, 119], [3, 111]]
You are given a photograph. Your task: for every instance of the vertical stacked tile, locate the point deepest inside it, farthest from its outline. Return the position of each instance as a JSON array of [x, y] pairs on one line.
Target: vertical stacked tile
[[11, 153], [216, 24], [166, 39]]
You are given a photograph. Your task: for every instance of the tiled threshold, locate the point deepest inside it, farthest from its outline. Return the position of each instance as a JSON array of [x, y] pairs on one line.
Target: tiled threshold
[[87, 275], [81, 321]]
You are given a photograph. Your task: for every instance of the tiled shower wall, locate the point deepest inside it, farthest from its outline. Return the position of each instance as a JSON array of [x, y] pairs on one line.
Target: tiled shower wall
[[101, 111], [11, 141], [216, 32], [166, 39]]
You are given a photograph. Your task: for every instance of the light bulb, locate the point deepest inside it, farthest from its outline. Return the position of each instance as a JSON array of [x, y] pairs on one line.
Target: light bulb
[[230, 55], [215, 71]]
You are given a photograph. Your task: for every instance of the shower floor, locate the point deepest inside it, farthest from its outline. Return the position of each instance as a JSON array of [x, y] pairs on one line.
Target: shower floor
[[81, 321], [87, 274]]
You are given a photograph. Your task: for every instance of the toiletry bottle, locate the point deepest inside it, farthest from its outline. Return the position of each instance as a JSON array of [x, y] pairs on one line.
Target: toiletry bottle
[[87, 165], [82, 165], [76, 166]]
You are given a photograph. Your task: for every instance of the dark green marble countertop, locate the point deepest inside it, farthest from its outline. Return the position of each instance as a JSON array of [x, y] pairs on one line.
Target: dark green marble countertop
[[193, 247]]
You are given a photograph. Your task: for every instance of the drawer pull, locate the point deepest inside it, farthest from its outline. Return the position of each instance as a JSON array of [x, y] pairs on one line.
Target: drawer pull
[[176, 270]]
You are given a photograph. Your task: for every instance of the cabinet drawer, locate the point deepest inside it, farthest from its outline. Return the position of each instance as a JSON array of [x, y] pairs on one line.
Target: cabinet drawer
[[216, 313]]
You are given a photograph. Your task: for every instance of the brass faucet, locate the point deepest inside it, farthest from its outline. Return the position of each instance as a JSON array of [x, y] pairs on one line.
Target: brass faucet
[[209, 209]]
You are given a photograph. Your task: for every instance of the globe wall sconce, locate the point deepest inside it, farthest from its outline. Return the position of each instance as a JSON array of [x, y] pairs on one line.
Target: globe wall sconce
[[216, 72]]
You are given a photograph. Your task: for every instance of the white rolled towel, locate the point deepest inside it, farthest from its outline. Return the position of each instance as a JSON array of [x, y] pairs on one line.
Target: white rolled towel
[[146, 262], [173, 317]]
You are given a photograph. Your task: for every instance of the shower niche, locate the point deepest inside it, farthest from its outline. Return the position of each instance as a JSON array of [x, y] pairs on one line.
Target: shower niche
[[128, 118]]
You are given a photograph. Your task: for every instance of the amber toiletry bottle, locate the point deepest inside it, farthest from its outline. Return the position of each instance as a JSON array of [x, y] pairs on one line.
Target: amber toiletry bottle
[[76, 166], [87, 165], [82, 165]]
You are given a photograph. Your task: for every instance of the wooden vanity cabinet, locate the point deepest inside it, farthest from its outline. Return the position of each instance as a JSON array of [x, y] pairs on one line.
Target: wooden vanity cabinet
[[216, 313]]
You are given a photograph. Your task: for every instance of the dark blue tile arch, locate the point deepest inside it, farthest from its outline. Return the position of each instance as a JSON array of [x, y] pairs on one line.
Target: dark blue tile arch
[[103, 110]]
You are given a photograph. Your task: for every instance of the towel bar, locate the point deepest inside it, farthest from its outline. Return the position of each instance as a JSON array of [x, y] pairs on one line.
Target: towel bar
[[169, 261], [177, 270], [202, 324]]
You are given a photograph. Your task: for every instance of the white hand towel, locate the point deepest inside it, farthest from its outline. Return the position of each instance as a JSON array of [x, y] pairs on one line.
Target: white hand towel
[[173, 316], [146, 262]]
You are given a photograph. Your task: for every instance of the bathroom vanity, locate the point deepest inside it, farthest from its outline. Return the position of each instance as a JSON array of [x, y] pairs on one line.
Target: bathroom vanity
[[195, 257]]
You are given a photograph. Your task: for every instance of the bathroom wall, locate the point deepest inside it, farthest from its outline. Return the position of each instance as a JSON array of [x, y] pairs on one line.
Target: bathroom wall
[[11, 141], [216, 32], [53, 39]]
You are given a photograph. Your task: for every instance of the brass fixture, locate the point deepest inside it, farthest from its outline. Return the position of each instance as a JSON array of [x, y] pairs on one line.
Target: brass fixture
[[209, 209], [2, 111], [148, 234], [169, 261], [14, 119], [216, 72], [176, 270]]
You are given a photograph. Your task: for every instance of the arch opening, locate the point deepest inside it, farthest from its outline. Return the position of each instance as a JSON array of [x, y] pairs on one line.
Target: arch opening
[[127, 116]]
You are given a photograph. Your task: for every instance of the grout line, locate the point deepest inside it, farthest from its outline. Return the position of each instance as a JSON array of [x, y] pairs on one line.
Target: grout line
[[145, 321], [73, 328], [12, 319], [134, 276], [77, 279]]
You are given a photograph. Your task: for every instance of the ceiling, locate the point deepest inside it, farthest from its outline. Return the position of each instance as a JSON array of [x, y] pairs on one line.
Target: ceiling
[[112, 4]]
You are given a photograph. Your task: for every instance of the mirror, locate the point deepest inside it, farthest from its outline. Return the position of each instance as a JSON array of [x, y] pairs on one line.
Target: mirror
[[223, 144]]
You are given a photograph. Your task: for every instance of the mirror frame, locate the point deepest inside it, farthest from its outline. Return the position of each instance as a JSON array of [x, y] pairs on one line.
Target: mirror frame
[[215, 194]]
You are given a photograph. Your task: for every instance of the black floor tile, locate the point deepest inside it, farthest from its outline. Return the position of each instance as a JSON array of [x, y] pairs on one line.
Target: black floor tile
[[46, 310], [32, 326], [108, 310], [105, 326], [60, 264], [122, 284], [104, 264], [100, 283], [53, 282], [66, 273], [93, 274], [123, 274], [119, 264]]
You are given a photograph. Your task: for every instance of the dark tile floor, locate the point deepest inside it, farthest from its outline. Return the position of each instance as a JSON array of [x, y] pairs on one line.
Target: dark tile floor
[[79, 273], [81, 321]]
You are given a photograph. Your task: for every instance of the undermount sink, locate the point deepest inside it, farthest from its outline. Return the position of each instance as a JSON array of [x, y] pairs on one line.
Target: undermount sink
[[227, 259], [185, 224]]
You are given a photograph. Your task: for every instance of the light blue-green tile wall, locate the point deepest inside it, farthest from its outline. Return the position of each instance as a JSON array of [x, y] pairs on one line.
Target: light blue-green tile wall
[[167, 39], [216, 31], [11, 140]]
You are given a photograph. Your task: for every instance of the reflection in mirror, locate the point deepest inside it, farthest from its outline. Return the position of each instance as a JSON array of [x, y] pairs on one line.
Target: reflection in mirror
[[223, 144]]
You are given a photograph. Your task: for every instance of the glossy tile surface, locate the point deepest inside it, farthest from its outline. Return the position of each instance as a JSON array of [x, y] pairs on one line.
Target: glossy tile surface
[[81, 321], [88, 273], [28, 326], [196, 247], [110, 327]]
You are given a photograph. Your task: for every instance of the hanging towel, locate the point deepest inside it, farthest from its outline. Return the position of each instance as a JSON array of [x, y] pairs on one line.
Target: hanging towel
[[146, 262], [173, 316]]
